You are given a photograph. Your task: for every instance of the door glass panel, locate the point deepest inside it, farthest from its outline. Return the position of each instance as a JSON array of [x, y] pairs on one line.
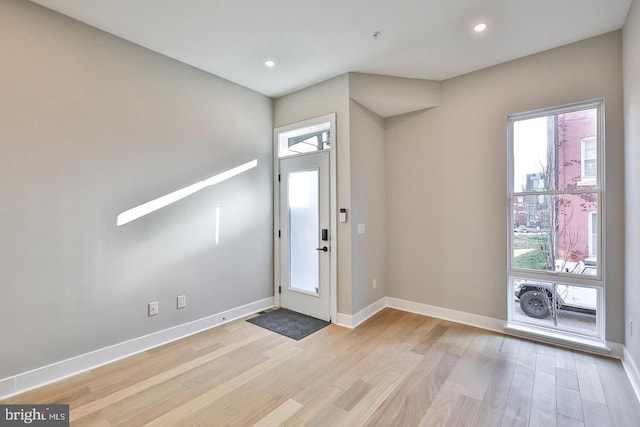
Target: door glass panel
[[304, 266]]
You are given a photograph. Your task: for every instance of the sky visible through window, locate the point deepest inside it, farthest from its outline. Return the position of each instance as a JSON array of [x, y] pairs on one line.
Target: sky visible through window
[[530, 150]]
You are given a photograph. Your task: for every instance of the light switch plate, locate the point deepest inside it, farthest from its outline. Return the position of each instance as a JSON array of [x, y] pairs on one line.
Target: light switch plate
[[152, 308], [182, 301]]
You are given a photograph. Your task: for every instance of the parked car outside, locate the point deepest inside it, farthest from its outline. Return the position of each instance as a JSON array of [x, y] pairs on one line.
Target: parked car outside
[[528, 229], [538, 298]]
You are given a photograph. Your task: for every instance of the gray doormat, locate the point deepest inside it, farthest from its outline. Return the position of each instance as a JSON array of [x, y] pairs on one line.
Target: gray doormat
[[289, 323]]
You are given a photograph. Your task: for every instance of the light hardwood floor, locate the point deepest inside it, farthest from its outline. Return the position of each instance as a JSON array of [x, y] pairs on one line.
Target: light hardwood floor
[[395, 369]]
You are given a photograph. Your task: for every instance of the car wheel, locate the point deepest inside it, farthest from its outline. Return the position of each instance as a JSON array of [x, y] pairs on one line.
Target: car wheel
[[534, 304]]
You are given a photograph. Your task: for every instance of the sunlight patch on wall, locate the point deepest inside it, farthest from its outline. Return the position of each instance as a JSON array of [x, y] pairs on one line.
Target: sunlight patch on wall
[[159, 203]]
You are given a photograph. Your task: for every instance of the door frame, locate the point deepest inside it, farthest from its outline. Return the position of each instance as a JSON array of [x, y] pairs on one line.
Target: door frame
[[333, 229]]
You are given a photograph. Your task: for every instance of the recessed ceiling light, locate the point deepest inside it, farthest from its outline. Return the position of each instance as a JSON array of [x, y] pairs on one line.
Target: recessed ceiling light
[[480, 27], [269, 63]]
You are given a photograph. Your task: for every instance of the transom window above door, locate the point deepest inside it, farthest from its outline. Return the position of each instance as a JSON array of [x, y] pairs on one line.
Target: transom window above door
[[304, 140]]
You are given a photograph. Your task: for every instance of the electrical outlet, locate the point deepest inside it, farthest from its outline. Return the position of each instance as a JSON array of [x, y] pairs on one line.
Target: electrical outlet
[[153, 308], [375, 283], [182, 301]]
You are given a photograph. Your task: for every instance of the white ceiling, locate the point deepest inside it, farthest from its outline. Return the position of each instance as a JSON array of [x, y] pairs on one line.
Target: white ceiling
[[312, 40]]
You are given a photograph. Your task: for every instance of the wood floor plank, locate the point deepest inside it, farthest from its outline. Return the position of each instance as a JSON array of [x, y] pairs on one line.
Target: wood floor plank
[[443, 405], [355, 394], [589, 382], [413, 396], [361, 412], [546, 363], [564, 421], [473, 369], [429, 338], [584, 357], [396, 369], [518, 406], [279, 415], [313, 404], [330, 416], [412, 410], [596, 415], [620, 397], [492, 408], [565, 359], [457, 338], [569, 403], [545, 349], [543, 400], [465, 412], [567, 378], [93, 420]]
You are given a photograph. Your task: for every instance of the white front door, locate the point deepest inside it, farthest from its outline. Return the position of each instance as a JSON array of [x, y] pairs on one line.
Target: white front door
[[305, 241]]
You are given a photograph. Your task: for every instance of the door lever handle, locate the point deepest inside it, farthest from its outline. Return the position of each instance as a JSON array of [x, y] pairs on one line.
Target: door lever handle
[[323, 249]]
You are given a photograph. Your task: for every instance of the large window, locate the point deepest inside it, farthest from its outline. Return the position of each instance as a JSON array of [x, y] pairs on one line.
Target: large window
[[555, 282]]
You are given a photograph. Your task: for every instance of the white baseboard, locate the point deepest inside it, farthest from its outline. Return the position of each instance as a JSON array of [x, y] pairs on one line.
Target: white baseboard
[[57, 371], [632, 371], [344, 320], [483, 322], [470, 319], [352, 321]]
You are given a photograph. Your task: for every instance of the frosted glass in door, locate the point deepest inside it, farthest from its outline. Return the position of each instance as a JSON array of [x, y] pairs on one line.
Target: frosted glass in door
[[304, 266]]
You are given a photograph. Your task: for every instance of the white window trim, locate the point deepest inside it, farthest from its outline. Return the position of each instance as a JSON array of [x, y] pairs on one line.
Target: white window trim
[[557, 333], [593, 248]]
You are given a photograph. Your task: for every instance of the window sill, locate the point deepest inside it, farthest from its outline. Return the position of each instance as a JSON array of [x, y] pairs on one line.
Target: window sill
[[557, 338]]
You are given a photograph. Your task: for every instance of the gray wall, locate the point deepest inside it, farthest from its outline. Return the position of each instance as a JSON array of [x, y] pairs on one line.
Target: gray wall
[[91, 125], [446, 178], [631, 55], [368, 206]]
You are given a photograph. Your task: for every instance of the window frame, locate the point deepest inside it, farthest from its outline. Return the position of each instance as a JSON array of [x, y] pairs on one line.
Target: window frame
[[584, 178], [314, 128], [590, 225], [513, 273]]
